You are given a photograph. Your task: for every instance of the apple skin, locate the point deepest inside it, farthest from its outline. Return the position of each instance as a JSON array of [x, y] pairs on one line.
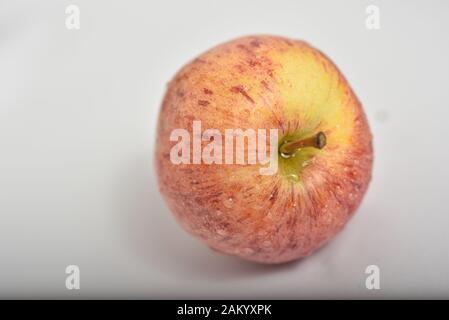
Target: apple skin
[[266, 82]]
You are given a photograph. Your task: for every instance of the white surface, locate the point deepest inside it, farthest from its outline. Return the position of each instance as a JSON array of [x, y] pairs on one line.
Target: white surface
[[78, 111]]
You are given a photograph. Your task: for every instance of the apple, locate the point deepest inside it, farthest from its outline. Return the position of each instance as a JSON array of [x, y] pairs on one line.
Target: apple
[[323, 150]]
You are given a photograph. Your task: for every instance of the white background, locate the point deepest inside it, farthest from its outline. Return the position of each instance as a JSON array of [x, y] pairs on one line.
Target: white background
[[78, 111]]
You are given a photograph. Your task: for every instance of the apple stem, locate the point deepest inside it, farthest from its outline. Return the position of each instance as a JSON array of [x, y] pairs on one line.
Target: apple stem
[[317, 141]]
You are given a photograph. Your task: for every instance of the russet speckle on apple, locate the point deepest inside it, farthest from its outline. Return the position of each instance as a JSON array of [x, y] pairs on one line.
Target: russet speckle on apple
[[324, 149]]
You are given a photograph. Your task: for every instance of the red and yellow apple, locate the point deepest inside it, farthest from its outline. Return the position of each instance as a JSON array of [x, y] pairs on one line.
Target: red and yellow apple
[[325, 150]]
